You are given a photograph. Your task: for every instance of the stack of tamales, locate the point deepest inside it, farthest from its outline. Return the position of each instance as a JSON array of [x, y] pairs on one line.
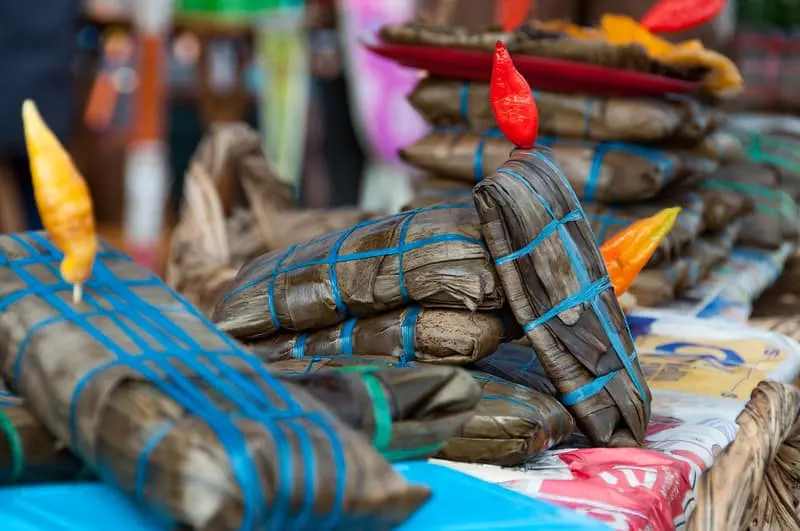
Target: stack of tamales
[[626, 158]]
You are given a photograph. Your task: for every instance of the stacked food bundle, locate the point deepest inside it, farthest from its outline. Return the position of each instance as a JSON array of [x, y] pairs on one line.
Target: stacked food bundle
[[626, 157]]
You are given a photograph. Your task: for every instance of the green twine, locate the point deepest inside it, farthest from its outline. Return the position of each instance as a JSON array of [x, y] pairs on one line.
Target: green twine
[[382, 413], [15, 445]]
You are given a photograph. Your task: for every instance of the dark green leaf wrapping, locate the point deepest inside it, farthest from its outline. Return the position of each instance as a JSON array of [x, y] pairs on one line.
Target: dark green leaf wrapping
[[557, 286], [510, 424], [174, 412], [433, 256], [452, 337]]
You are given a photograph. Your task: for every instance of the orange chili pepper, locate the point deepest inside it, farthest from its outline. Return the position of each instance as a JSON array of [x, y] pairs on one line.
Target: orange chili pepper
[[626, 253], [62, 198], [512, 101]]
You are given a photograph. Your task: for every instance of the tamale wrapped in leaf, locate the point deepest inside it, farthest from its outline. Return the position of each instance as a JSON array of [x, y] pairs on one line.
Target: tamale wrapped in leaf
[[599, 171], [755, 481], [723, 206], [509, 424], [557, 286], [28, 451], [541, 42], [434, 256], [607, 221], [516, 362], [448, 102], [774, 217], [438, 191], [427, 34], [236, 208], [452, 337], [175, 413], [722, 146], [658, 285], [407, 412]]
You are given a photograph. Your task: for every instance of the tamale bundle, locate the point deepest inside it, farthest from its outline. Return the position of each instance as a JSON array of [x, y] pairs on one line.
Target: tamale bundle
[[557, 286], [452, 337], [433, 256], [447, 102], [755, 481], [427, 34], [722, 146], [774, 217], [509, 424], [599, 171], [437, 191], [407, 412], [542, 42], [28, 452], [516, 362], [658, 285], [172, 411], [607, 221], [236, 208], [722, 206]]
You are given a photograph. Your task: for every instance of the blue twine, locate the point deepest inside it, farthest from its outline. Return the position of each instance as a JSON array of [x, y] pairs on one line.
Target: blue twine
[[346, 336], [299, 347], [477, 164], [590, 291], [408, 334], [463, 102], [334, 258], [606, 221], [655, 156], [249, 399]]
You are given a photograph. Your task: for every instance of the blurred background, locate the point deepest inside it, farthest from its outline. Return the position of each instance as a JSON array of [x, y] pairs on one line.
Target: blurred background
[[147, 78]]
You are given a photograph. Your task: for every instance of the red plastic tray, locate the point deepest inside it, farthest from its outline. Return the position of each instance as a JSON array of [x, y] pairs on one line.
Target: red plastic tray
[[542, 73]]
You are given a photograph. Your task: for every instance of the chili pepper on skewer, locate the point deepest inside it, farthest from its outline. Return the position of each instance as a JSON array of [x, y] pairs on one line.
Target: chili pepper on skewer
[[512, 101], [626, 253], [512, 13], [62, 198], [672, 16]]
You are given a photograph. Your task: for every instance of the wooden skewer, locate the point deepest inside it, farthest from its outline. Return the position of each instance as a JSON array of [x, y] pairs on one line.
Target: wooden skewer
[[77, 293]]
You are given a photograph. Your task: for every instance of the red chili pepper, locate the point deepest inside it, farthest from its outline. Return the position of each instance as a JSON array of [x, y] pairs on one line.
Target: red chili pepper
[[672, 16], [512, 13], [512, 101]]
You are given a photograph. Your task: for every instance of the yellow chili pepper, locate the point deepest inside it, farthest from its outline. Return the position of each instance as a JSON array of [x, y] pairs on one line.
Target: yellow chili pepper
[[62, 198], [626, 253]]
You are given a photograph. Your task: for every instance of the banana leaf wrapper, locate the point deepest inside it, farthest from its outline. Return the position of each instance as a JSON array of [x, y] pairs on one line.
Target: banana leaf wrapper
[[427, 34], [722, 146], [610, 172], [236, 208], [755, 481], [607, 221], [517, 362], [433, 256], [451, 337], [723, 206], [532, 41], [437, 191], [774, 217], [28, 451], [557, 286], [175, 413], [509, 424], [407, 412], [446, 102], [659, 285]]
